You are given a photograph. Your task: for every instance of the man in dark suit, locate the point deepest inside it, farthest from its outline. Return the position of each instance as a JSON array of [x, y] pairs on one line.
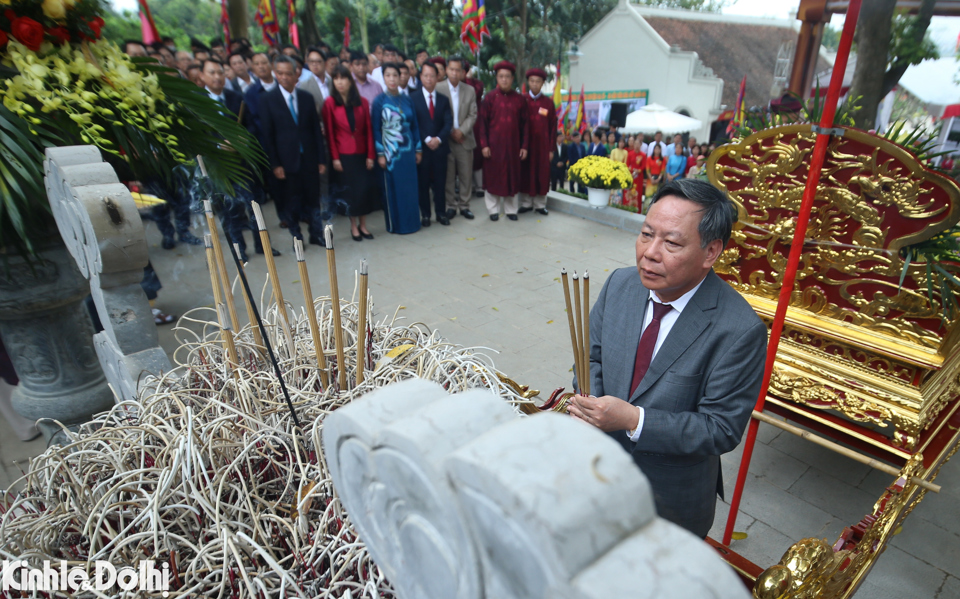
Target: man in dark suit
[[676, 355], [575, 151], [235, 205], [295, 148], [265, 81], [435, 120], [558, 166]]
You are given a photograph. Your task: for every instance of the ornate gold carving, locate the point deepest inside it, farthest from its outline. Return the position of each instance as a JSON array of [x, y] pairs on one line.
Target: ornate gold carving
[[867, 183], [811, 393]]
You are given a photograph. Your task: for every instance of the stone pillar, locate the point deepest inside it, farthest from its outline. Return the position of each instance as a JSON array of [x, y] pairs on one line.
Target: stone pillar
[[457, 496]]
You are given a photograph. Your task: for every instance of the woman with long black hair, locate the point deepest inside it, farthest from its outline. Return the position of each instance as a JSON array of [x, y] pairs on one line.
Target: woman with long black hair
[[346, 119]]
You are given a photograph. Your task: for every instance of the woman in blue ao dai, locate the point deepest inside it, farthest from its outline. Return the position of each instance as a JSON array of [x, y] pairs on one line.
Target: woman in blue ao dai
[[397, 142]]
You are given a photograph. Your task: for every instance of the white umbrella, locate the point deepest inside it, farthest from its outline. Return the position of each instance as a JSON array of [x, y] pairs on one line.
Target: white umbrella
[[654, 117]]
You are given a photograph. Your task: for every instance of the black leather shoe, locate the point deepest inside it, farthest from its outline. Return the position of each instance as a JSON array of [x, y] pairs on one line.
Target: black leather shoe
[[190, 238], [524, 210], [168, 243], [543, 211], [425, 221], [512, 216], [284, 224], [273, 251], [318, 241], [467, 214], [366, 235], [356, 237], [494, 217], [443, 220], [451, 213]]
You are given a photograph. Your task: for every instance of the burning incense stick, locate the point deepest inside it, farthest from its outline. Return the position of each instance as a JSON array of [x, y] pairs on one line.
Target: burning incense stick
[[271, 264], [221, 265], [214, 278], [233, 359], [578, 315], [574, 341], [362, 324], [311, 312], [585, 342], [335, 303], [257, 338]]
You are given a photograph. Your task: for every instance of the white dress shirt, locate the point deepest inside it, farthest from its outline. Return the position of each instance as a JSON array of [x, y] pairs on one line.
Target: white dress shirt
[[430, 97], [268, 86], [648, 149], [245, 85], [666, 323], [377, 75], [455, 102], [219, 98]]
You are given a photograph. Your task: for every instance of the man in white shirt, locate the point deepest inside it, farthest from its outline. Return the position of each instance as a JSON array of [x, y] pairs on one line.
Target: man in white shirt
[[463, 101], [676, 354], [404, 79], [390, 54], [317, 66], [647, 148], [243, 80]]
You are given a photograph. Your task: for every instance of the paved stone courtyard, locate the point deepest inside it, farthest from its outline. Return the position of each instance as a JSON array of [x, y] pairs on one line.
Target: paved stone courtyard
[[496, 285]]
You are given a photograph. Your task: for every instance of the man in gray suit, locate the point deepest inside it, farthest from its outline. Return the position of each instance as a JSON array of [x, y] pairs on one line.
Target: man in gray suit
[[676, 356], [463, 101]]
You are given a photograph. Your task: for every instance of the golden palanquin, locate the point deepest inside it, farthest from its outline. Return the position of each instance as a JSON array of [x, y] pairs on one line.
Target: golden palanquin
[[856, 343]]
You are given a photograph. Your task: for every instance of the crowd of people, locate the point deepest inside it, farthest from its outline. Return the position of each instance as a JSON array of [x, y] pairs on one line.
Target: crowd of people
[[651, 161], [352, 133]]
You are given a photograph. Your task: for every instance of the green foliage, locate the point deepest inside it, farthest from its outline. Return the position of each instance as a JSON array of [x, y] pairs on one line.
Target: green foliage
[[180, 19], [831, 38], [698, 5], [909, 45], [939, 257]]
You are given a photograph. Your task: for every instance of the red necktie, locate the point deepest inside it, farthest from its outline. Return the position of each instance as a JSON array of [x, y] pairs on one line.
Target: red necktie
[[431, 106], [648, 341]]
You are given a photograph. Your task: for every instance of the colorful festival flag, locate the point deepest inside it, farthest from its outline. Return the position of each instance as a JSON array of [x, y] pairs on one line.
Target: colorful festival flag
[[294, 32], [562, 121], [346, 32], [225, 22], [739, 113], [581, 123], [474, 24], [557, 94], [148, 29], [266, 17]]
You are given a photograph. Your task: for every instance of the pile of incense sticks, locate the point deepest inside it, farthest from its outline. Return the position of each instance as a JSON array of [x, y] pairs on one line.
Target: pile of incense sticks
[[217, 469], [578, 317]]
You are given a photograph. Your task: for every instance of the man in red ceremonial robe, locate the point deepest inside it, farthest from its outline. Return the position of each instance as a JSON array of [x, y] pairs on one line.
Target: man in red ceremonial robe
[[503, 139], [542, 127]]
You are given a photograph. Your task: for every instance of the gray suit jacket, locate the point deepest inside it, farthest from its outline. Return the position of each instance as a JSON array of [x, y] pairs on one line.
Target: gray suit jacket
[[697, 394], [313, 88], [466, 111]]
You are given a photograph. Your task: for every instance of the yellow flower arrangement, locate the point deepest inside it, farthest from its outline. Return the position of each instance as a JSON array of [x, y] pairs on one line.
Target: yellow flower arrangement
[[601, 172], [95, 85]]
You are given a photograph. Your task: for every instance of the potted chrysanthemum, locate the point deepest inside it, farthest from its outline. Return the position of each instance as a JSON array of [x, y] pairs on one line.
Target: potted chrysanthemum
[[600, 175], [62, 85]]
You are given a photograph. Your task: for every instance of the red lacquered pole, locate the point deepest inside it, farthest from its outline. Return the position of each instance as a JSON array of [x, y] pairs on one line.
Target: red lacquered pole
[[796, 248]]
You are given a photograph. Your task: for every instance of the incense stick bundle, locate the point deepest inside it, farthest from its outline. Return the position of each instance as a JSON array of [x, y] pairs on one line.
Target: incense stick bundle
[[585, 341], [362, 324], [271, 264], [578, 317], [574, 340], [311, 312], [221, 265], [214, 278], [335, 304], [233, 359], [257, 338]]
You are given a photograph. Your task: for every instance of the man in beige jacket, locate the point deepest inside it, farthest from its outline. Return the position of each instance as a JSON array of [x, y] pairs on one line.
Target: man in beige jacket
[[463, 101]]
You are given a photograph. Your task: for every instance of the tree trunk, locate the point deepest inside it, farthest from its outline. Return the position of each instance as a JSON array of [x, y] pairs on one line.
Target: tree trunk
[[239, 19], [311, 33], [898, 68], [873, 50]]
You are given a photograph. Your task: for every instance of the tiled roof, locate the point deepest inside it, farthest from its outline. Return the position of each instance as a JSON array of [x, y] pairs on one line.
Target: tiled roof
[[732, 49]]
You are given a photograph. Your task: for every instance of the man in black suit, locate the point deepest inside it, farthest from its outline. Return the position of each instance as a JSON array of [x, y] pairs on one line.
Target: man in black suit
[[295, 148], [558, 166], [434, 119], [235, 205], [575, 152]]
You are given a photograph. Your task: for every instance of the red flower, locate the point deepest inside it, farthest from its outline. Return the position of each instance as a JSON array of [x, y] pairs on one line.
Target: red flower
[[60, 34], [28, 32], [3, 39], [96, 25]]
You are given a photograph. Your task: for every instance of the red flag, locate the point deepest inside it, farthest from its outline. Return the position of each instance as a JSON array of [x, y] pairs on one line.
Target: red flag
[[148, 29], [294, 32], [581, 123], [266, 17], [739, 113], [346, 32], [225, 22]]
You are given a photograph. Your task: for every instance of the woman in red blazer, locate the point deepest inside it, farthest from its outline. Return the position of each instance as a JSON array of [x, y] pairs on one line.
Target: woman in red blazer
[[346, 120]]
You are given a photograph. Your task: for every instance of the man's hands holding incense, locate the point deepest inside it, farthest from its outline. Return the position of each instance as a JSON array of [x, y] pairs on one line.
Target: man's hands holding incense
[[607, 413]]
